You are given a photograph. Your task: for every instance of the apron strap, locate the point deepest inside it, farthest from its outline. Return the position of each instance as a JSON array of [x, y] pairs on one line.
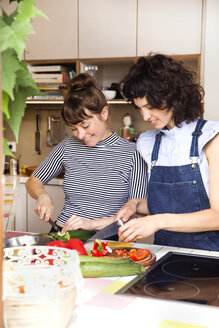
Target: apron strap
[[194, 154], [154, 155]]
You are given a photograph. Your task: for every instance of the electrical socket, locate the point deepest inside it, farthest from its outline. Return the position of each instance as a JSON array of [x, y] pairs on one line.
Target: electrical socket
[[12, 146]]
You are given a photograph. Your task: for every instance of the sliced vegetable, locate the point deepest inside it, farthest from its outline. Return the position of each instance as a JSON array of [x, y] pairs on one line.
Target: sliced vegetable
[[139, 254], [99, 249], [100, 269], [71, 234], [78, 245]]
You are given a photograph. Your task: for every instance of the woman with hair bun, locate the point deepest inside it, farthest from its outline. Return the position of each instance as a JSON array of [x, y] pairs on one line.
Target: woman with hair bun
[[102, 170]]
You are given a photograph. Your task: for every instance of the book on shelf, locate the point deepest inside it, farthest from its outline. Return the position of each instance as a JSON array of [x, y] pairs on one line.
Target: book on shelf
[[53, 86], [49, 68], [51, 77]]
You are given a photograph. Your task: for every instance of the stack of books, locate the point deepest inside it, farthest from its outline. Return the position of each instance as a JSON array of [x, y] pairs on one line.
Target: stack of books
[[52, 79]]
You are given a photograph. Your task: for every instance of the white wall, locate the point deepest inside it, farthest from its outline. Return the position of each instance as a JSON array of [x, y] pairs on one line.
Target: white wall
[[210, 58]]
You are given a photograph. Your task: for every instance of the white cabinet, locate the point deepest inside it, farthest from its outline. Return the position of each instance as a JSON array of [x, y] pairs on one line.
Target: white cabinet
[[33, 222], [170, 26], [26, 219], [57, 37], [107, 28]]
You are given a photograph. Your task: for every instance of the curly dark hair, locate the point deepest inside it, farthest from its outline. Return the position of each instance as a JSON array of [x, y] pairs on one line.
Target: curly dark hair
[[163, 80]]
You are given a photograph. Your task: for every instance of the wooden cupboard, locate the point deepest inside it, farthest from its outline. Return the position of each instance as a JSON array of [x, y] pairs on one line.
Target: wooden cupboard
[[169, 26], [57, 37], [80, 29], [107, 28]]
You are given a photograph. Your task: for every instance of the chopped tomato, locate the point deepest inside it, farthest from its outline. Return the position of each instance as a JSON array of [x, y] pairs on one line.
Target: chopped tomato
[[139, 254], [120, 252]]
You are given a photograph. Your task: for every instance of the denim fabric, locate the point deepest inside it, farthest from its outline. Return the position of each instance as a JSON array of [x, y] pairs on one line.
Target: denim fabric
[[180, 189]]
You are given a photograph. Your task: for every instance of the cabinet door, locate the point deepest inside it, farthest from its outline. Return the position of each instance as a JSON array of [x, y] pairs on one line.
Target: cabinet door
[[170, 26], [34, 224], [57, 37], [107, 28]]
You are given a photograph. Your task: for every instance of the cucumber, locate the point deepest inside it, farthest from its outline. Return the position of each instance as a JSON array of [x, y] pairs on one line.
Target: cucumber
[[81, 234], [71, 234], [100, 269], [87, 258]]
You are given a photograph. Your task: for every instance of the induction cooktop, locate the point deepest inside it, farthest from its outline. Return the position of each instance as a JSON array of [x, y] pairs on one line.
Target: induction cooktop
[[180, 277]]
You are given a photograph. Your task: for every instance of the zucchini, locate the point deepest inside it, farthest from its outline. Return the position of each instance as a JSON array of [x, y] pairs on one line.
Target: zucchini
[[87, 258], [71, 234], [100, 269], [81, 234]]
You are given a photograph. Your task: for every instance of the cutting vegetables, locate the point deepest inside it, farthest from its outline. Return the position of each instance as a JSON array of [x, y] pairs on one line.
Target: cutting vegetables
[[99, 165]]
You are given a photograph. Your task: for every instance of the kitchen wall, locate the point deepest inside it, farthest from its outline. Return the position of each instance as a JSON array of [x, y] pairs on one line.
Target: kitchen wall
[[26, 146]]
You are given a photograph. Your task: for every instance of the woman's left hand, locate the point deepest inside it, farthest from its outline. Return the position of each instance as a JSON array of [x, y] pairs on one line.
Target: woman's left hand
[[137, 229], [76, 222]]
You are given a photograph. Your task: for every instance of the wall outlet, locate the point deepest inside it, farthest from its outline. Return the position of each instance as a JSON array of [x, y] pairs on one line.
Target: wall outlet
[[12, 146]]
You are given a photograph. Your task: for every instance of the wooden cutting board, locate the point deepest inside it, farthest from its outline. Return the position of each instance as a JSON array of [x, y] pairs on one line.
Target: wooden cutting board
[[150, 259]]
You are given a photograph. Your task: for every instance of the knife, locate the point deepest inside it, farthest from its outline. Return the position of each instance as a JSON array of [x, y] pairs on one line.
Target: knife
[[108, 231], [54, 225]]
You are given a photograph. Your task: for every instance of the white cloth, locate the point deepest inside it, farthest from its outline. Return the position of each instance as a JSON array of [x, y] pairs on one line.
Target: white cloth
[[175, 146]]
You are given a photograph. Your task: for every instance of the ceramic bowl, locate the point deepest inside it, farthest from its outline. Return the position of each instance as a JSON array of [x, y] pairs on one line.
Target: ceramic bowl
[[109, 94]]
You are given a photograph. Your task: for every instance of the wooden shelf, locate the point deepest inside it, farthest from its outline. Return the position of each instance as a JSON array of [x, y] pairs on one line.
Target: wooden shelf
[[60, 101]]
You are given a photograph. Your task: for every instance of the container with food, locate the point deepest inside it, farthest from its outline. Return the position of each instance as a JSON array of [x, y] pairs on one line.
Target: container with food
[[40, 285]]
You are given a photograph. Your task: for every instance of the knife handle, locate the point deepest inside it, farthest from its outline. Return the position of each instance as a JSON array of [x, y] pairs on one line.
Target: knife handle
[[120, 222]]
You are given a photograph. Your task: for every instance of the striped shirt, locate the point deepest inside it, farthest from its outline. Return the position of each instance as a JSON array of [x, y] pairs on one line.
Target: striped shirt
[[98, 180]]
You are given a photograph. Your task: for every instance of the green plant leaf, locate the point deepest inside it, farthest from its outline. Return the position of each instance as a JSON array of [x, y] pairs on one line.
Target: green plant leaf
[[5, 104], [14, 28], [25, 79], [10, 65], [6, 149], [27, 10], [16, 111]]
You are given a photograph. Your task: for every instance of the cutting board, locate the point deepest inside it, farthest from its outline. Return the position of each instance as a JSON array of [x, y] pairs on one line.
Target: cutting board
[[150, 259]]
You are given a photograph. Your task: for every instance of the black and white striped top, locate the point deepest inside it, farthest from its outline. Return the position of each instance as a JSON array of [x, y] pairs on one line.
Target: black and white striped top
[[98, 180]]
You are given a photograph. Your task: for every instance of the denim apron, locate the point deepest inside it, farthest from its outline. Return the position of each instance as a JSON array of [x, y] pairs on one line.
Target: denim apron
[[180, 189]]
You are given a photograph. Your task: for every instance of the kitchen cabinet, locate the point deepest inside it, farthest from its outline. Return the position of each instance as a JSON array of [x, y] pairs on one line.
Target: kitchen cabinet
[[26, 218], [57, 37], [107, 28], [171, 27]]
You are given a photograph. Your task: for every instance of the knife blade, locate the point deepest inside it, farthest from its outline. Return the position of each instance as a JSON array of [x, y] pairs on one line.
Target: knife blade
[[108, 231], [54, 225]]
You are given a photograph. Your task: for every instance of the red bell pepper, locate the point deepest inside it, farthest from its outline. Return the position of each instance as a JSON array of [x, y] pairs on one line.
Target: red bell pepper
[[139, 254], [78, 245], [99, 249]]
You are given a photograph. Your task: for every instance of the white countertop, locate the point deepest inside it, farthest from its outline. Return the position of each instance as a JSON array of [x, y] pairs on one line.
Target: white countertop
[[98, 306]]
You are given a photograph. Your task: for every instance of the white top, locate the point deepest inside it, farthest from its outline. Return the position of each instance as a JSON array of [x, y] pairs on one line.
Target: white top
[[175, 146]]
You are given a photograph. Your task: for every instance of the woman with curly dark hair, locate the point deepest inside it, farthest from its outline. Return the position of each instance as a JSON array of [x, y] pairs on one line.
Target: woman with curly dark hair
[[182, 154]]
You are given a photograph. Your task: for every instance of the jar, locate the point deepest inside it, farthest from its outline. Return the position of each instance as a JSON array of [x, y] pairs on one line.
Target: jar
[[13, 166]]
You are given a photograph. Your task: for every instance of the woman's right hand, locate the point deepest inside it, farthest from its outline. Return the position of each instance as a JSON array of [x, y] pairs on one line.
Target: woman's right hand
[[127, 210], [44, 207]]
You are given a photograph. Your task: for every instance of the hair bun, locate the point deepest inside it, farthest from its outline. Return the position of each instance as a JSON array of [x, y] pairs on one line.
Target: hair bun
[[82, 81]]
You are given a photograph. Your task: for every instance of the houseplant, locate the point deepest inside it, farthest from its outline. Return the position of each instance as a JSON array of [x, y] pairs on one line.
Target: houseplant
[[17, 82]]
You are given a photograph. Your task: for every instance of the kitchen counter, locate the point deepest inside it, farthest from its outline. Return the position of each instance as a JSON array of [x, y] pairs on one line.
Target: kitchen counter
[[99, 306]]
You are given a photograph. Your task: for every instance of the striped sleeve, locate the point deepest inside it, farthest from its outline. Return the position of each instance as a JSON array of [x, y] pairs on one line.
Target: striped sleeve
[[138, 178], [52, 165]]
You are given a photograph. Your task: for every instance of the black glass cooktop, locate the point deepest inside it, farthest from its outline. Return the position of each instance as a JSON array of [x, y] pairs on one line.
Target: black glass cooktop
[[180, 277]]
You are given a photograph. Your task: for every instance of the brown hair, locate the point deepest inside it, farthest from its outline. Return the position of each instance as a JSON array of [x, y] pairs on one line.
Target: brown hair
[[83, 94], [163, 80]]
